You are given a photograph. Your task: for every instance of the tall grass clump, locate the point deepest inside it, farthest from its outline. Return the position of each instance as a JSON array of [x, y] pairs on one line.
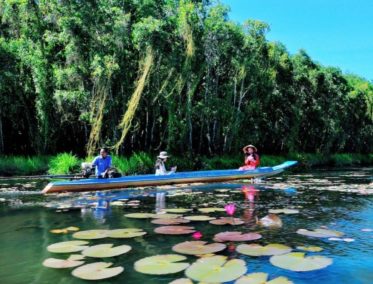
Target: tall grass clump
[[138, 163], [20, 165], [64, 163]]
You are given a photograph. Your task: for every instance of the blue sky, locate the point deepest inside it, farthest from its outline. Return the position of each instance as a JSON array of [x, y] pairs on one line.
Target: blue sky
[[333, 32]]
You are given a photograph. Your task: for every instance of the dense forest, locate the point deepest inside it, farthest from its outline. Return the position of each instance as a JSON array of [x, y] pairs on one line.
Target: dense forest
[[179, 75]]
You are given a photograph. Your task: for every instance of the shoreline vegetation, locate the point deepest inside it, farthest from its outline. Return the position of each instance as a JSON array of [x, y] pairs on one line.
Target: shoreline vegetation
[[142, 163]]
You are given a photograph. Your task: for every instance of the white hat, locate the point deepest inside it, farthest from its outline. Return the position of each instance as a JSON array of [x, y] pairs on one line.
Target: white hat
[[163, 155]]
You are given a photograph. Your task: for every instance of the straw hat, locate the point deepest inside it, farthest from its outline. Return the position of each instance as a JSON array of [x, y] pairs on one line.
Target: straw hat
[[250, 146], [163, 155]]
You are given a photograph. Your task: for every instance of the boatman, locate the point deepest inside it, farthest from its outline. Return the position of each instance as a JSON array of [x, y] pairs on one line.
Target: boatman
[[102, 164]]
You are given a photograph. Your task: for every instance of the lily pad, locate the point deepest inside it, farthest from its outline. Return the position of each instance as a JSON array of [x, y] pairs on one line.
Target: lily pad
[[161, 264], [140, 215], [61, 263], [76, 257], [285, 211], [199, 218], [211, 210], [175, 230], [319, 233], [91, 234], [67, 247], [227, 221], [97, 271], [198, 247], [105, 250], [175, 221], [166, 216], [236, 236], [126, 233], [59, 231], [178, 210], [271, 220], [310, 248], [216, 269], [261, 278], [182, 281], [296, 261], [258, 250]]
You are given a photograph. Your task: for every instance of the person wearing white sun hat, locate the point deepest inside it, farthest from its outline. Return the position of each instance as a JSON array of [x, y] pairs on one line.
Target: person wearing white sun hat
[[160, 167]]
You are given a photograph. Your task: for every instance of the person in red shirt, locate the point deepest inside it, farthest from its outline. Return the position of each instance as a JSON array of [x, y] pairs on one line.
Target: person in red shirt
[[252, 159]]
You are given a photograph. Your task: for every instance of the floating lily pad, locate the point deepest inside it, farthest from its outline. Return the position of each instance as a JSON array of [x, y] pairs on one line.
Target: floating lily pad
[[175, 221], [198, 247], [261, 278], [271, 220], [61, 263], [126, 233], [117, 203], [67, 247], [166, 216], [72, 229], [59, 231], [178, 210], [182, 281], [236, 236], [97, 271], [211, 210], [175, 230], [319, 233], [216, 269], [161, 264], [227, 221], [258, 250], [296, 261], [105, 250], [199, 218], [140, 215], [76, 257], [310, 248], [91, 234], [285, 211]]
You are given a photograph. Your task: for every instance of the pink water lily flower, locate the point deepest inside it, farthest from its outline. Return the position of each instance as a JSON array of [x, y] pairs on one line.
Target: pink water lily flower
[[197, 235], [230, 208]]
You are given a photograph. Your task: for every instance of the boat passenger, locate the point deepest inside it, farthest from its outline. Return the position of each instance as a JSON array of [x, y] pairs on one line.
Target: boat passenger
[[102, 164], [252, 159], [160, 167]]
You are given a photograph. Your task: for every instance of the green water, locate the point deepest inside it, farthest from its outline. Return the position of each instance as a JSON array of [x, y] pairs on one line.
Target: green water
[[340, 200]]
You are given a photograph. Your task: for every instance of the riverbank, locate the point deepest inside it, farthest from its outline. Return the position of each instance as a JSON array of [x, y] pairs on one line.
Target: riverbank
[[138, 163]]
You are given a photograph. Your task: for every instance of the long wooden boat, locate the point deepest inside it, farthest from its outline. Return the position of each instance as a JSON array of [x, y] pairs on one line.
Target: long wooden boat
[[153, 180]]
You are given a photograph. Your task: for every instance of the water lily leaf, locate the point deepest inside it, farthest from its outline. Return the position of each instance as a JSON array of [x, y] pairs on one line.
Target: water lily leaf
[[175, 221], [61, 263], [211, 210], [258, 250], [261, 278], [216, 269], [182, 281], [105, 250], [227, 221], [161, 264], [199, 218], [166, 216], [236, 236], [296, 261], [72, 229], [285, 211], [319, 233], [59, 231], [91, 234], [67, 247], [117, 203], [76, 257], [140, 215], [126, 233], [178, 210], [271, 220], [97, 271], [310, 248], [198, 247], [174, 230]]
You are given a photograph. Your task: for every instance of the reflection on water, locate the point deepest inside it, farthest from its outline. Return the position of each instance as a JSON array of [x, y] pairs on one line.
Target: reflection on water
[[338, 200]]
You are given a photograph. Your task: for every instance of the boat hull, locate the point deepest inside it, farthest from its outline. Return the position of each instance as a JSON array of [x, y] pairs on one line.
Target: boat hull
[[153, 180]]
